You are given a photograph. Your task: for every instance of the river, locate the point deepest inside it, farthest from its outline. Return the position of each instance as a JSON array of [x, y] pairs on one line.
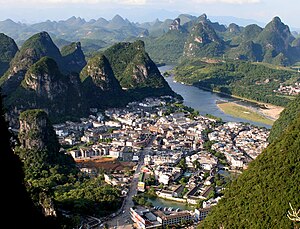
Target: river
[[205, 101]]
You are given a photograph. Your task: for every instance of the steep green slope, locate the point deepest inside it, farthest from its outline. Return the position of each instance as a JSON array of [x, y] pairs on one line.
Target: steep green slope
[[8, 49], [99, 84], [45, 87], [167, 48], [73, 57], [275, 40], [37, 46], [260, 196], [135, 70], [285, 119], [13, 191], [203, 41]]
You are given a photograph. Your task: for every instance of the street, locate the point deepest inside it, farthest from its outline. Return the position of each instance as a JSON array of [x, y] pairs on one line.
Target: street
[[123, 220]]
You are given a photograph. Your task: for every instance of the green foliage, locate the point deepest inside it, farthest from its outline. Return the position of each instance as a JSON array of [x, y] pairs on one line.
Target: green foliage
[[167, 48], [239, 78], [8, 49], [34, 48], [53, 177], [45, 65], [260, 196], [286, 117], [135, 70], [90, 197], [142, 200]]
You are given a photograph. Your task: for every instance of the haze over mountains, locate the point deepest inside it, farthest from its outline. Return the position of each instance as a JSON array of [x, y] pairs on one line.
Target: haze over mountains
[[95, 34]]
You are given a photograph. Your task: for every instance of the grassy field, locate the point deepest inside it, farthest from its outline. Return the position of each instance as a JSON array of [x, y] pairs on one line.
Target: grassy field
[[239, 111]]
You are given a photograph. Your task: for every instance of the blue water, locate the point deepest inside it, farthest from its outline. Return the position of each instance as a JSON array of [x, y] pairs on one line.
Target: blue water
[[205, 101]]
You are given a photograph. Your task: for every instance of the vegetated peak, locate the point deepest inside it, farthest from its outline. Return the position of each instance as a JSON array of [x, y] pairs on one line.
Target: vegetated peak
[[73, 58], [203, 41], [117, 18], [46, 65], [233, 28], [8, 49], [99, 69], [251, 32], [286, 118], [36, 131], [276, 20], [68, 49], [277, 24], [35, 47]]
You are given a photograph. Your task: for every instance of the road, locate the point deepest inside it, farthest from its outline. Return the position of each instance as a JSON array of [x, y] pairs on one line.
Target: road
[[123, 220]]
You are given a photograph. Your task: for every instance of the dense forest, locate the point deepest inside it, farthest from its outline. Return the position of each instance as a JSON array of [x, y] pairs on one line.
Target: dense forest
[[286, 117]]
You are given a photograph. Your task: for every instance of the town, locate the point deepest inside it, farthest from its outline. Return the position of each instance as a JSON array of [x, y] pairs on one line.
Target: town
[[182, 156]]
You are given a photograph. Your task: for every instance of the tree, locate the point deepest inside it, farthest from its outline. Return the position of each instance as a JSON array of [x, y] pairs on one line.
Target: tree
[[182, 164], [17, 209]]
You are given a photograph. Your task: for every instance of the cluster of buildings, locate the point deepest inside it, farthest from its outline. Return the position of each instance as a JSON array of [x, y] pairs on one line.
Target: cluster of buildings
[[157, 217], [289, 89], [146, 218], [177, 157], [239, 143]]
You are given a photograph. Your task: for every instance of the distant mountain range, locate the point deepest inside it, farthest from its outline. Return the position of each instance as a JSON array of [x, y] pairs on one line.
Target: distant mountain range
[[200, 37], [97, 34]]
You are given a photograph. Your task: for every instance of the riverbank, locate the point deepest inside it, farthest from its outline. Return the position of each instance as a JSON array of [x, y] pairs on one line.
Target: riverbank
[[266, 114]]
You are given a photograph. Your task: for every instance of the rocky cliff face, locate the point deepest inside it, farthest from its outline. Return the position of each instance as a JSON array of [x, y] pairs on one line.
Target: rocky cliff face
[[35, 79], [203, 41], [40, 151], [73, 57], [275, 40], [99, 70], [175, 24], [38, 46], [134, 68], [100, 86], [45, 79], [36, 132], [45, 87]]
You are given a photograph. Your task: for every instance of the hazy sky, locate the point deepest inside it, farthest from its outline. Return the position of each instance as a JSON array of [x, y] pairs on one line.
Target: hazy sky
[[149, 10]]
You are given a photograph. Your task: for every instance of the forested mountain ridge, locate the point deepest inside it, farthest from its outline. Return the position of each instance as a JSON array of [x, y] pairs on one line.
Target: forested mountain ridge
[[274, 43], [62, 83], [286, 117], [8, 49]]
